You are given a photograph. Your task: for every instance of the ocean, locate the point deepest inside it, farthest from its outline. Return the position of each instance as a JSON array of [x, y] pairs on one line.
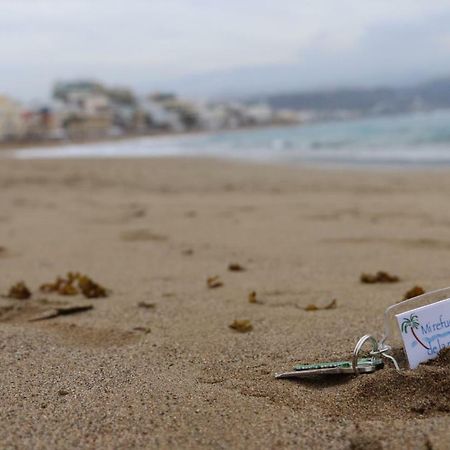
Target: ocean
[[412, 139]]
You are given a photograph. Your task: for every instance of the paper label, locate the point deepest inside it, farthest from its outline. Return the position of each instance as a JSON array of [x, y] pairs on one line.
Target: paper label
[[425, 331]]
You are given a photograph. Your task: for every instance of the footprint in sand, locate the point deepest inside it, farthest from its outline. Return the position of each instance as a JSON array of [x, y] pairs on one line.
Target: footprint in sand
[[141, 235], [403, 242]]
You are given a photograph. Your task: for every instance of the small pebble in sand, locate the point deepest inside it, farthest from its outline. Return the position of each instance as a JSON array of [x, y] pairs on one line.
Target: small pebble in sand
[[414, 292], [379, 277], [214, 282], [235, 267], [252, 297], [243, 326], [19, 291], [63, 392]]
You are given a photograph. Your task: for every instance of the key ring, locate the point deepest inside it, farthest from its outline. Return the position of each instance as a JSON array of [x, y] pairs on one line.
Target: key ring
[[377, 349], [358, 348]]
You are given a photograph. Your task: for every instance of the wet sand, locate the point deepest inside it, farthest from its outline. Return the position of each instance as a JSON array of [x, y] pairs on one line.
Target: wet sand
[[173, 374]]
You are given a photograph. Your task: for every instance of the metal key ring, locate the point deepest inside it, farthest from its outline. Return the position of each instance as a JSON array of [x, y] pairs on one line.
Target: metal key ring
[[358, 348]]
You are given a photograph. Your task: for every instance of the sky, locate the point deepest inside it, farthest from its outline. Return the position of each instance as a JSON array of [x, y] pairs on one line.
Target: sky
[[220, 48]]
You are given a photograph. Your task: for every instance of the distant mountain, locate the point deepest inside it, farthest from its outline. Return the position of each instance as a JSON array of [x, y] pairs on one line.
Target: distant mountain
[[426, 96]]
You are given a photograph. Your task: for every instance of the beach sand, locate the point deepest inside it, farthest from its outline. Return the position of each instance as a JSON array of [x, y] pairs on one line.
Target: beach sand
[[173, 374]]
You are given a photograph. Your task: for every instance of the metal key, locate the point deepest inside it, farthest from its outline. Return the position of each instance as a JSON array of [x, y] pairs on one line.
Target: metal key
[[364, 365]]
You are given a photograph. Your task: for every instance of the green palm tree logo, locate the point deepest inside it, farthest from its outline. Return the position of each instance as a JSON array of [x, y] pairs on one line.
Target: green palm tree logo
[[413, 323]]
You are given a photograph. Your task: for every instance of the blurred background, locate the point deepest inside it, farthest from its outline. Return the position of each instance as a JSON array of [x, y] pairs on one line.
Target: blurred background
[[364, 82]]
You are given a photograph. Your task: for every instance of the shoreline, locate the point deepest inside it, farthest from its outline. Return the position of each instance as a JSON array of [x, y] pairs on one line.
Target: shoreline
[[12, 146], [306, 164]]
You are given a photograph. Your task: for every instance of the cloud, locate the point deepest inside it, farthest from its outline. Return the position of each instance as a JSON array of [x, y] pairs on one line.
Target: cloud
[[212, 46], [385, 53]]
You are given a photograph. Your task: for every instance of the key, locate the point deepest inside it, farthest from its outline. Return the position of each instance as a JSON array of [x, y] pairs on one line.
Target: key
[[364, 365]]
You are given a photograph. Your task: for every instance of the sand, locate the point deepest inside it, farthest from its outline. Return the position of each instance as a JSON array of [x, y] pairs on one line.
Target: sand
[[172, 374]]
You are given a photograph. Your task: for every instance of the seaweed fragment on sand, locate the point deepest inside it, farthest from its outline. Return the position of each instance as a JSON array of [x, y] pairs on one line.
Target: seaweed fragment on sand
[[90, 289], [19, 291], [379, 277], [235, 267], [214, 282], [62, 286], [414, 292], [242, 326], [73, 284], [312, 307], [252, 297]]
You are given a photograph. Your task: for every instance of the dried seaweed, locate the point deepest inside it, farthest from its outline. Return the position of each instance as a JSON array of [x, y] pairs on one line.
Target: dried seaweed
[[146, 305], [379, 277], [19, 291], [214, 282], [414, 292], [61, 285], [73, 284], [331, 305], [235, 267], [243, 326], [90, 289], [62, 311], [312, 307], [252, 297]]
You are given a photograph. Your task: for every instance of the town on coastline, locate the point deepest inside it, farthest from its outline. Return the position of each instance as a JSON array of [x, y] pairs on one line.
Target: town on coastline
[[85, 110], [82, 110]]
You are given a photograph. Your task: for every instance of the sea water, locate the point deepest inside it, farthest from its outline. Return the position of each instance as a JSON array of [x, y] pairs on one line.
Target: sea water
[[412, 139]]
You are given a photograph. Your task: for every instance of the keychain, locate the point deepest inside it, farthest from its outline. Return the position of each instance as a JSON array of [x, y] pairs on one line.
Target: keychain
[[420, 326]]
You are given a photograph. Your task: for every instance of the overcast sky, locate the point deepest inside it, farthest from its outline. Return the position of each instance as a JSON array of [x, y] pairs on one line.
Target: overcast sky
[[220, 47]]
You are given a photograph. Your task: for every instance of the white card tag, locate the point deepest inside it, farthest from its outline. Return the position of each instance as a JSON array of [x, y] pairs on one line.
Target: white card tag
[[425, 331]]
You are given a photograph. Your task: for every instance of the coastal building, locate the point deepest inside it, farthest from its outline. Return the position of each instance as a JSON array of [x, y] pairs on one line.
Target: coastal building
[[158, 115], [87, 110], [259, 114], [126, 115], [43, 122], [12, 123], [185, 111]]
